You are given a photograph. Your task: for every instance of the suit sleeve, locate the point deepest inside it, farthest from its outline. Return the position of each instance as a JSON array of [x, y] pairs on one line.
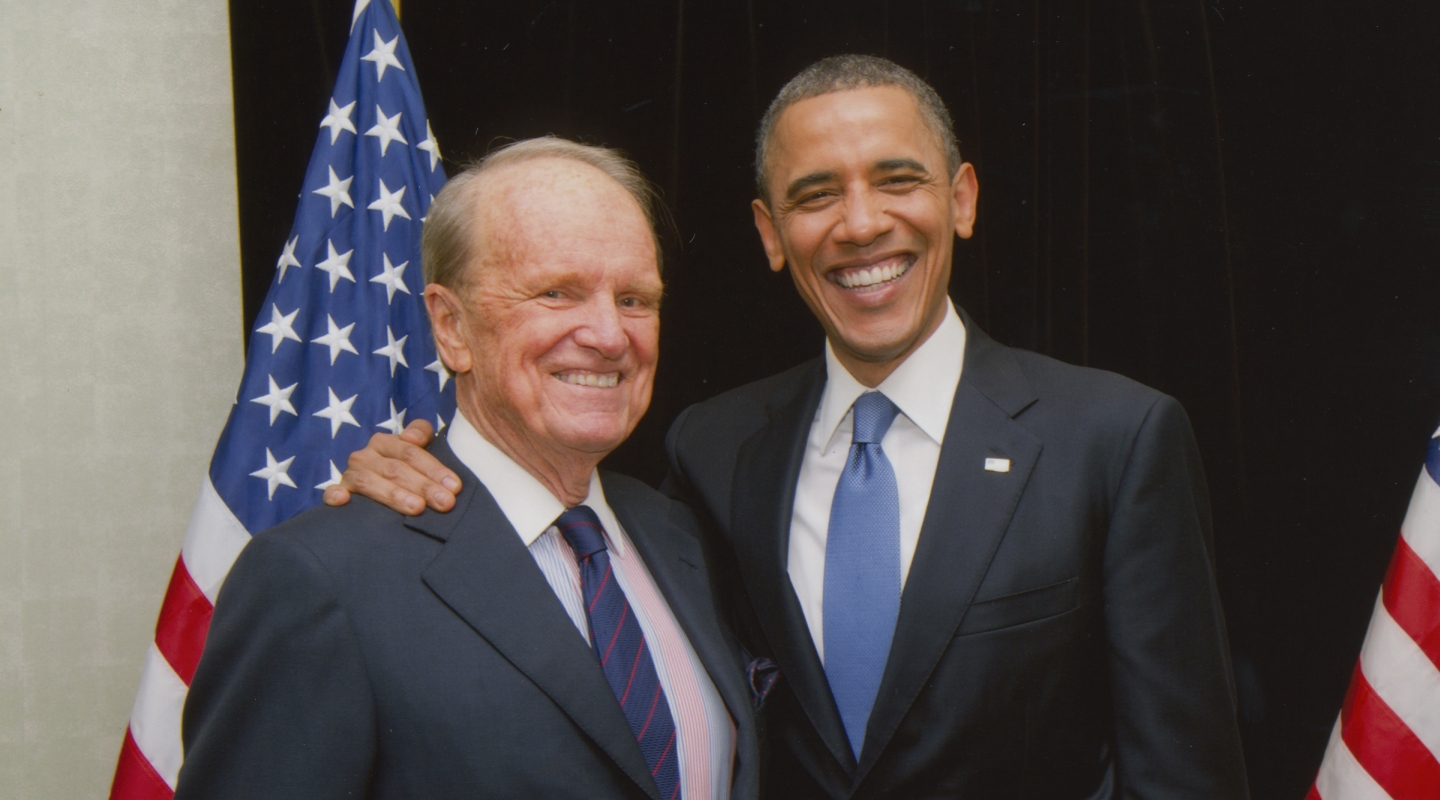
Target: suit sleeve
[[280, 706], [675, 485], [1173, 692]]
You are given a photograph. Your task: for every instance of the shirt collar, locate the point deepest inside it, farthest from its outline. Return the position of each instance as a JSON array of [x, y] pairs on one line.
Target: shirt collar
[[922, 387], [524, 500]]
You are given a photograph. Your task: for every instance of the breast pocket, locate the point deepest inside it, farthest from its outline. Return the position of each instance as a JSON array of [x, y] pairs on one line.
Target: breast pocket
[[1019, 608]]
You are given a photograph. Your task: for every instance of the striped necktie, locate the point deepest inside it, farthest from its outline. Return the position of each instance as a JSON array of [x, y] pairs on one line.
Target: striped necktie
[[619, 643], [862, 569]]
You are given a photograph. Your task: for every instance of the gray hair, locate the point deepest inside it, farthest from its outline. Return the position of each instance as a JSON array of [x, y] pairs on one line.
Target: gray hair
[[448, 241], [841, 73]]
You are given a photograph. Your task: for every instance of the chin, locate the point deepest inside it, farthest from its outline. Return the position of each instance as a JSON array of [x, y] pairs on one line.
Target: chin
[[590, 439], [882, 346]]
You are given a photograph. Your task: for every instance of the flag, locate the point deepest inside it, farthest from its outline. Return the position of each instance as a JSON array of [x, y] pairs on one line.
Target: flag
[[341, 349], [1386, 743]]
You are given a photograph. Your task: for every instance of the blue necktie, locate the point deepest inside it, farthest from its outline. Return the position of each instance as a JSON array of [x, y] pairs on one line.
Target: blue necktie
[[862, 569], [619, 643]]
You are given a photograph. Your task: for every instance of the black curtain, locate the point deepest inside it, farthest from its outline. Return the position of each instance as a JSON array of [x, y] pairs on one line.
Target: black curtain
[[1237, 204]]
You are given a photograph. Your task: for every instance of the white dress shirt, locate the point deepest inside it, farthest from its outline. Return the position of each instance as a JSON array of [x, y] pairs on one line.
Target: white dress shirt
[[704, 732], [923, 388]]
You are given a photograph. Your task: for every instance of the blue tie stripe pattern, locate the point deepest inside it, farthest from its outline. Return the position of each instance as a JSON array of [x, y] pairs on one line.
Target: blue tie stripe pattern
[[862, 569], [620, 646]]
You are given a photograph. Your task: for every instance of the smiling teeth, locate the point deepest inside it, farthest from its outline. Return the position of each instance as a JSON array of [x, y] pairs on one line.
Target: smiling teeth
[[589, 379], [869, 277]]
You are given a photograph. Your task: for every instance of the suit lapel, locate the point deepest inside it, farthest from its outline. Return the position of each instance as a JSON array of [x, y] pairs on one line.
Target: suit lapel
[[485, 574], [674, 560], [969, 511], [766, 471]]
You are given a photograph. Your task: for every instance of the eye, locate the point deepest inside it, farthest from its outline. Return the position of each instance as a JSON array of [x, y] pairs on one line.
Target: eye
[[553, 294]]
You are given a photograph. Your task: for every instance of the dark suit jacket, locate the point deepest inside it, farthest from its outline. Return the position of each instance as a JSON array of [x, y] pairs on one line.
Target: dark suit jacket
[[1059, 633], [356, 653]]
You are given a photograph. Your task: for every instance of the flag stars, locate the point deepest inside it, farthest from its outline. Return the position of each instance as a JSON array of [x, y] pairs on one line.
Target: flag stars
[[386, 129], [280, 327], [288, 259], [336, 339], [383, 55], [278, 400], [338, 120], [392, 278], [338, 191], [334, 478], [395, 351], [360, 6], [338, 412], [429, 145], [389, 204], [275, 473], [396, 423], [438, 367], [336, 264]]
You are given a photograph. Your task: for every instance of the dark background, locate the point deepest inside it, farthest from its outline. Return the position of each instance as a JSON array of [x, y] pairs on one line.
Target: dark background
[[1237, 204]]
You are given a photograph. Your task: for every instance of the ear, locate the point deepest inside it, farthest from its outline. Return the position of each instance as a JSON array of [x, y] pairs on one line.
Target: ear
[[964, 192], [768, 237], [447, 323]]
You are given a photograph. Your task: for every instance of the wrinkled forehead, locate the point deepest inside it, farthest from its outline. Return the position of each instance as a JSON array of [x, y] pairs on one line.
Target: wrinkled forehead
[[529, 207]]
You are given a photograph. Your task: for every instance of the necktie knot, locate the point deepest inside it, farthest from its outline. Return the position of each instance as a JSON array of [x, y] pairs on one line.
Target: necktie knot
[[873, 414], [582, 530]]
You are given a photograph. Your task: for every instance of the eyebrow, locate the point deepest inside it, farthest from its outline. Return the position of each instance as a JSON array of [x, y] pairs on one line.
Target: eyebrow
[[900, 164], [799, 185]]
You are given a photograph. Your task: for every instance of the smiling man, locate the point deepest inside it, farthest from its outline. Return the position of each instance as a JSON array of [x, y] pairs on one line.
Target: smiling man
[[981, 572], [553, 635]]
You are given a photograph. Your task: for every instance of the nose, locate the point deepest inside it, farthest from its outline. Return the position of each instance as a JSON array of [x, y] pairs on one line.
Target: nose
[[602, 329], [865, 217]]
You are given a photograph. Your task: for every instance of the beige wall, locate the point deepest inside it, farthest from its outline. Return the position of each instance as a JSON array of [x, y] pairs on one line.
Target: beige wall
[[119, 354]]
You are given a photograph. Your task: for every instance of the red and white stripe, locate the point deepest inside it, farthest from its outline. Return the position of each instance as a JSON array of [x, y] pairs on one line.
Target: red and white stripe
[[151, 753], [1386, 743]]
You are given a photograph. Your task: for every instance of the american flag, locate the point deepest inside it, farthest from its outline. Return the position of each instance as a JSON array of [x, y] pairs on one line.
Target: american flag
[[341, 349], [1386, 743]]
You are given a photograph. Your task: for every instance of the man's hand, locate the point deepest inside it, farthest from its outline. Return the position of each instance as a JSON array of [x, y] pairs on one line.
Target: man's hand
[[398, 472]]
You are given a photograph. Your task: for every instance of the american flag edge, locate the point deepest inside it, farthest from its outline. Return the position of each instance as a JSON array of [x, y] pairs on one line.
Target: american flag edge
[[341, 349], [1386, 739]]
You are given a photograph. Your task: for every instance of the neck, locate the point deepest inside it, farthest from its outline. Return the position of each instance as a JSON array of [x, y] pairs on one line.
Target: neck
[[565, 473]]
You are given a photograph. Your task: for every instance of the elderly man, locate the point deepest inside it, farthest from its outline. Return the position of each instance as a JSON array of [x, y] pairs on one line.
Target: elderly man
[[982, 572], [553, 635]]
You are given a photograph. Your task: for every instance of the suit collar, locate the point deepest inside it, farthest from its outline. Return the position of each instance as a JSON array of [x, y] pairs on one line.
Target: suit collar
[[676, 563], [485, 574], [767, 469], [963, 527], [527, 503], [992, 370], [966, 520]]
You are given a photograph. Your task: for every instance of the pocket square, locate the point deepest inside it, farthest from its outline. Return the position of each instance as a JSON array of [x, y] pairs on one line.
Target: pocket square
[[762, 673]]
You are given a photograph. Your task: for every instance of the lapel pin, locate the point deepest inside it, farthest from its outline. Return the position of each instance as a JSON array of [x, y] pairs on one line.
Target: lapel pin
[[997, 465]]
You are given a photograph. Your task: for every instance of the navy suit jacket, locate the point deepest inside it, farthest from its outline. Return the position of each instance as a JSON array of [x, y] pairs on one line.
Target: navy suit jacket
[[1059, 634], [355, 652]]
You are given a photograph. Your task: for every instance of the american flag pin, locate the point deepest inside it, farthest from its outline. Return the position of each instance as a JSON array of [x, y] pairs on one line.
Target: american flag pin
[[997, 465]]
